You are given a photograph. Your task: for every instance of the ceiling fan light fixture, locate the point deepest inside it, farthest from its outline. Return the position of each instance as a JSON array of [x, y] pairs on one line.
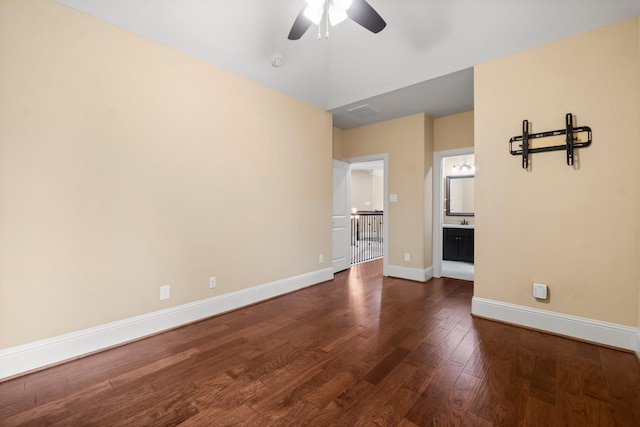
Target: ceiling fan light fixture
[[336, 14], [314, 14], [333, 12]]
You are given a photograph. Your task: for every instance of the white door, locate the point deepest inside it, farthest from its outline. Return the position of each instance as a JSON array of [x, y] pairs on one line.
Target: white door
[[341, 218]]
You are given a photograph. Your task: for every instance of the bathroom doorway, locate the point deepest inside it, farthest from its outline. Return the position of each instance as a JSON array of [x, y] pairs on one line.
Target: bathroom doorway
[[453, 231]]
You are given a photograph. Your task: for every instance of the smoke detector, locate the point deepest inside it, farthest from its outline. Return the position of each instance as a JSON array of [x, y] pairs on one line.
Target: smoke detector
[[277, 60]]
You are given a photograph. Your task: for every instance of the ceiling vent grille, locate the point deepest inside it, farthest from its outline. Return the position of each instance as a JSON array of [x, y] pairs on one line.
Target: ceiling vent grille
[[364, 110]]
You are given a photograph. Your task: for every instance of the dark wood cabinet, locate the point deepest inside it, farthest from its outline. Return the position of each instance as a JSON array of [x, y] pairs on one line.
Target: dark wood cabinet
[[457, 244]]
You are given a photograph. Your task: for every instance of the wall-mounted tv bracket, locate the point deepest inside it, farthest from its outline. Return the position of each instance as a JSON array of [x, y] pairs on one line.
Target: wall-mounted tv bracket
[[569, 146]]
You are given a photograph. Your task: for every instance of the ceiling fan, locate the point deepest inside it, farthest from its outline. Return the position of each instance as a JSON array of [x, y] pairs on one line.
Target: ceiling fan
[[334, 12]]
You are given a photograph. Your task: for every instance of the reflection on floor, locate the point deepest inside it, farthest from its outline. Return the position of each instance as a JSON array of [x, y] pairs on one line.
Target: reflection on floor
[[458, 270]]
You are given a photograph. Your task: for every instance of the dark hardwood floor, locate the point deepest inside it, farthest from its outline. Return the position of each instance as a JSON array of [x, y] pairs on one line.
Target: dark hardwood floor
[[357, 351]]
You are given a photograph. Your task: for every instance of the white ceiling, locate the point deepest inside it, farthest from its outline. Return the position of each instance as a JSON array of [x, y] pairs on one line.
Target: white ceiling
[[421, 62]]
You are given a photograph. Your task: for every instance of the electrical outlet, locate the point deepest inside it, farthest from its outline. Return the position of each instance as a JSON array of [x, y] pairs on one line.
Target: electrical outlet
[[212, 282], [165, 292], [407, 257], [321, 259], [539, 291]]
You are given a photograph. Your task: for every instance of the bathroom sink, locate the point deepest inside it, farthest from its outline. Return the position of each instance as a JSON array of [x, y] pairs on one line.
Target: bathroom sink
[[457, 225]]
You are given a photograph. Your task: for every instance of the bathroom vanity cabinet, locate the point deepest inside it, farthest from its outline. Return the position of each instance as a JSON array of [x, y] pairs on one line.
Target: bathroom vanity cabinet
[[457, 244]]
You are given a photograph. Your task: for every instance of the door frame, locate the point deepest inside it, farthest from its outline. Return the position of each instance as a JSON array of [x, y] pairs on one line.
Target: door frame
[[384, 157], [438, 202]]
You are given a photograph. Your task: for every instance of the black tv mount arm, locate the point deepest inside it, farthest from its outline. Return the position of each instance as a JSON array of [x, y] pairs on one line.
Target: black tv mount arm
[[571, 141]]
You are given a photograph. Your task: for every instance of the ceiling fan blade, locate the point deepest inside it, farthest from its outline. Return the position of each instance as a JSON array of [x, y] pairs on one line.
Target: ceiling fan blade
[[300, 26], [365, 15]]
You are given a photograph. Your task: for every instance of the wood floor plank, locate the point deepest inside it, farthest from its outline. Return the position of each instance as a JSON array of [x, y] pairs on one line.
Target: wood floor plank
[[623, 381], [423, 376], [461, 395], [240, 416], [423, 354], [570, 410], [370, 408], [471, 420], [167, 410], [406, 423], [442, 352], [226, 396], [330, 382], [478, 362], [430, 408], [359, 350], [501, 396], [149, 369], [386, 365], [116, 406], [392, 410], [539, 413], [267, 362], [446, 399], [50, 412]]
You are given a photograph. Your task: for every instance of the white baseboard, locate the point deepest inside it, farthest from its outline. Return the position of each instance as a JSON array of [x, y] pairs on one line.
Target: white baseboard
[[28, 357], [428, 273], [610, 334], [416, 274]]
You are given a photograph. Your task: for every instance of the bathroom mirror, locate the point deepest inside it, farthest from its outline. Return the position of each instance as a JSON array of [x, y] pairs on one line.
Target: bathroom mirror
[[460, 195]]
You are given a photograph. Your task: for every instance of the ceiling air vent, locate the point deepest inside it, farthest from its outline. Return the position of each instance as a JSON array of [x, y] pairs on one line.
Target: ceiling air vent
[[363, 110]]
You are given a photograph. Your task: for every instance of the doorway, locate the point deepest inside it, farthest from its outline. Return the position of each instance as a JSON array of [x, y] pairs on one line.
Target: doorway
[[369, 207], [458, 162], [367, 211]]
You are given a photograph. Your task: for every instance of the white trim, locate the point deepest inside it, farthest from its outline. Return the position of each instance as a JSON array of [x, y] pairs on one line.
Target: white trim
[[27, 357], [428, 273], [611, 334], [459, 276], [638, 342], [438, 207], [385, 204], [415, 274]]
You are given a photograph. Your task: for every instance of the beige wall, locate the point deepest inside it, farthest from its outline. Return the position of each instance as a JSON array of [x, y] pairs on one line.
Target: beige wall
[[126, 165], [454, 131], [404, 141], [378, 192], [361, 190], [574, 228], [366, 191], [337, 143]]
